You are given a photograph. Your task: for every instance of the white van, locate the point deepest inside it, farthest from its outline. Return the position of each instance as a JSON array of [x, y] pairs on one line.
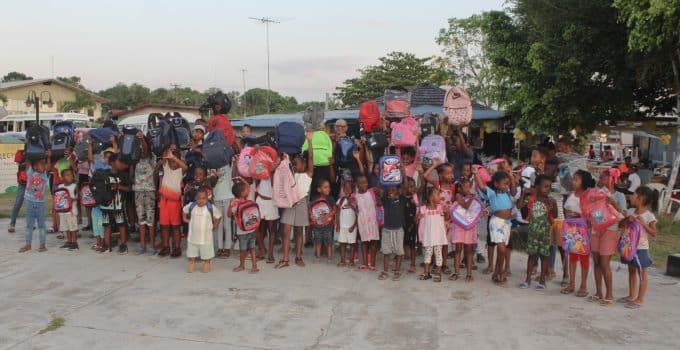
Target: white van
[[140, 121], [18, 122]]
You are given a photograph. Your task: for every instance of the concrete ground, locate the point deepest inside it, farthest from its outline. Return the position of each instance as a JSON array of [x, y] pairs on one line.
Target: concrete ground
[[135, 302]]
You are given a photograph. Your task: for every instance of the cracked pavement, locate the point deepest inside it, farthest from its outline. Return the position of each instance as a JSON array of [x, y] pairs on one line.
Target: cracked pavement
[[135, 302]]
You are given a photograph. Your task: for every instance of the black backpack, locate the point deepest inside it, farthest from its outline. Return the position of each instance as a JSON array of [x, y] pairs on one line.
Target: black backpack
[[216, 152], [101, 138], [194, 160], [429, 124], [81, 149], [182, 129], [161, 133], [130, 146], [377, 142], [65, 127], [216, 98], [100, 185], [37, 142], [60, 142]]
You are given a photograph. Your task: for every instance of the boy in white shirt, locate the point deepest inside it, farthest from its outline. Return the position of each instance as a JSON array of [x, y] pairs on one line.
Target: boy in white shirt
[[201, 219]]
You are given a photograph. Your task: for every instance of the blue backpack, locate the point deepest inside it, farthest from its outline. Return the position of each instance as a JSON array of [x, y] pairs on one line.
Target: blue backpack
[[193, 204], [216, 152], [65, 127], [289, 137], [346, 147], [390, 171]]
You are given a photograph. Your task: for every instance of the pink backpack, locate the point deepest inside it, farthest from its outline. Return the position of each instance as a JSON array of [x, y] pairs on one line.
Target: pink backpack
[[457, 107], [244, 158], [433, 147], [262, 163], [599, 213], [404, 132], [285, 192]]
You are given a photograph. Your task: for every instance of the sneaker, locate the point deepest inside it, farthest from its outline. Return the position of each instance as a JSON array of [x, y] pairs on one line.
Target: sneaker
[[164, 252], [66, 245], [122, 249], [140, 251], [74, 246], [151, 251], [176, 253]]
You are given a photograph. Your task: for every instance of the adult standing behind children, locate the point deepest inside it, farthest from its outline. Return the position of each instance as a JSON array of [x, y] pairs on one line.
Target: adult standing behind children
[[220, 120]]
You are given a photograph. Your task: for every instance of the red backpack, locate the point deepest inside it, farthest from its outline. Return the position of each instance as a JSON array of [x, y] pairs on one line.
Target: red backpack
[[62, 201], [262, 163], [247, 215], [318, 210], [369, 116], [86, 196]]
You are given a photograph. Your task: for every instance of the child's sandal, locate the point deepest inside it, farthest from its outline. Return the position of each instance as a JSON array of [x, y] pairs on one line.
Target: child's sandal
[[469, 278], [424, 276], [453, 277], [281, 264], [299, 262], [437, 277], [412, 269], [397, 276], [383, 276]]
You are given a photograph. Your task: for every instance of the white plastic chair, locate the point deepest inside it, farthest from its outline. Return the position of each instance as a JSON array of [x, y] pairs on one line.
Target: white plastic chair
[[661, 189]]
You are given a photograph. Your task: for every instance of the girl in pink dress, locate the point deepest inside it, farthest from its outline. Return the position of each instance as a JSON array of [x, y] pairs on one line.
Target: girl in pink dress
[[365, 202], [464, 234], [447, 195], [432, 233]]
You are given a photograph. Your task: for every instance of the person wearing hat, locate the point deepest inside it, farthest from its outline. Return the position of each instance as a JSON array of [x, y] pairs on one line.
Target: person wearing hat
[[197, 134]]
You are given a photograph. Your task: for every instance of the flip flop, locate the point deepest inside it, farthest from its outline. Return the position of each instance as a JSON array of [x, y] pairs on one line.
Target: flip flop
[[633, 306], [524, 285], [567, 290], [424, 277], [412, 269], [624, 300], [582, 293], [540, 287], [397, 276], [363, 268], [281, 264], [607, 302], [383, 276], [270, 260], [594, 299]]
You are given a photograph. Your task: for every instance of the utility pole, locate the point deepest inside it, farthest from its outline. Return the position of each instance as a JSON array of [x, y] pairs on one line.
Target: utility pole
[[243, 97], [267, 21], [174, 92]]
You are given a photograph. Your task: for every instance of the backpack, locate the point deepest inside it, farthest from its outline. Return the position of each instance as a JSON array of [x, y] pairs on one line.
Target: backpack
[[346, 148], [216, 98], [101, 187], [369, 117], [216, 152], [467, 218], [182, 129], [101, 139], [37, 142], [629, 241], [289, 137], [390, 171], [404, 132], [429, 125], [377, 141], [86, 196], [247, 215], [81, 149], [193, 160], [318, 210], [313, 118], [62, 201], [597, 211], [130, 146], [397, 102], [457, 107], [193, 205], [323, 146], [60, 142], [268, 139], [285, 192], [161, 132], [244, 158], [575, 237], [432, 147], [65, 127], [262, 163]]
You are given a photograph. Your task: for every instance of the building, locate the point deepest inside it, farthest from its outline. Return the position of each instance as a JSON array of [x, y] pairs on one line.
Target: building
[[16, 93], [152, 107]]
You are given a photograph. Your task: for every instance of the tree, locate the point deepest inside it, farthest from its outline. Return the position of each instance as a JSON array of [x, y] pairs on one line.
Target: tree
[[82, 101], [15, 76], [257, 102], [395, 69], [122, 96], [72, 80], [465, 63], [567, 63]]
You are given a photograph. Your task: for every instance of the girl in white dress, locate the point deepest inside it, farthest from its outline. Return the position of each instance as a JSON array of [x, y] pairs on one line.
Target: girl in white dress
[[432, 233]]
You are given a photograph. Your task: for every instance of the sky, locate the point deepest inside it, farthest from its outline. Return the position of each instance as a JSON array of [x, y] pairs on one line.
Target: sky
[[206, 43]]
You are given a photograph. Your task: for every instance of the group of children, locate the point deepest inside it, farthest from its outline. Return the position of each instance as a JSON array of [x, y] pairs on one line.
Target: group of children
[[431, 211]]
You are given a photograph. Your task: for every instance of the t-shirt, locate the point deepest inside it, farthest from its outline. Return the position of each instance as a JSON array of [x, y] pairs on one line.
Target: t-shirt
[[264, 188], [635, 182], [222, 190], [144, 175], [72, 191], [394, 212], [123, 179], [171, 185], [498, 201], [303, 182], [201, 223], [347, 214], [647, 218], [36, 184]]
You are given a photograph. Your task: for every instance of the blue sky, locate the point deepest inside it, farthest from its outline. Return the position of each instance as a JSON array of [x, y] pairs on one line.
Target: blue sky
[[205, 43]]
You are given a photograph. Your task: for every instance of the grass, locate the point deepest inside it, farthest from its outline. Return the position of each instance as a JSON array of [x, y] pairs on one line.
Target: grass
[[667, 241], [56, 323], [7, 202]]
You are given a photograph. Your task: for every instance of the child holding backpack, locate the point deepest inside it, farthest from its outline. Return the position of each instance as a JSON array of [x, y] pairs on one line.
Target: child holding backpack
[[392, 241], [346, 225], [643, 198], [170, 206], [113, 213], [322, 213], [201, 218], [144, 187], [37, 182], [247, 216], [465, 215], [68, 220]]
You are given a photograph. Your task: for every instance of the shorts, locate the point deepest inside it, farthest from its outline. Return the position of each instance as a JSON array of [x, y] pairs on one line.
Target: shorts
[[68, 222], [347, 236], [643, 258], [323, 235], [204, 251], [538, 238], [97, 222], [268, 211], [583, 259], [298, 215], [461, 235], [169, 212], [246, 241], [83, 179], [392, 241], [113, 217], [604, 243], [145, 206], [499, 230]]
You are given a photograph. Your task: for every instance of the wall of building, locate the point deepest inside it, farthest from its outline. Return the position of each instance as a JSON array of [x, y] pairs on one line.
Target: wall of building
[[16, 99]]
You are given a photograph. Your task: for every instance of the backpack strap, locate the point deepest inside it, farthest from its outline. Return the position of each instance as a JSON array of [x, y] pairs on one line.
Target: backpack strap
[[193, 205]]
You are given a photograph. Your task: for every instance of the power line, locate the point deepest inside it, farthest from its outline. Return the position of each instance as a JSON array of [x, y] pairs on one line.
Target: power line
[[267, 21]]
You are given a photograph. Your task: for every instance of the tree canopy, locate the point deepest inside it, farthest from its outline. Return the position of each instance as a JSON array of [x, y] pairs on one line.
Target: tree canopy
[[15, 76]]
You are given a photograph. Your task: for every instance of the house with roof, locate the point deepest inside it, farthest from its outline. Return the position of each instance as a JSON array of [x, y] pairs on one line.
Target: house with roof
[[16, 92], [153, 107]]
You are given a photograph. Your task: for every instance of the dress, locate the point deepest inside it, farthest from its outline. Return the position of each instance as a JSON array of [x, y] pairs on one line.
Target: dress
[[432, 228], [366, 218]]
